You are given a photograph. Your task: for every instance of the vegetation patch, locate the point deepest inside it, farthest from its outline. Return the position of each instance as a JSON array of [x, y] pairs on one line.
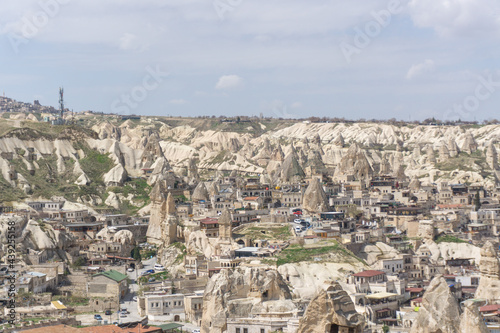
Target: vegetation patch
[[298, 253], [449, 239]]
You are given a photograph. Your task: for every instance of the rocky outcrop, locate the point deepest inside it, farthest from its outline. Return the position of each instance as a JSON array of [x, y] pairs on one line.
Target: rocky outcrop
[[492, 156], [453, 148], [489, 267], [290, 170], [200, 193], [355, 163], [471, 321], [243, 292], [470, 145], [439, 312], [158, 212], [315, 199], [115, 176], [330, 311], [161, 169]]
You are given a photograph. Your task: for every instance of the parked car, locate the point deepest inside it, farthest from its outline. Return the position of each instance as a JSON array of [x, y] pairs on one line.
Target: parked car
[[159, 267], [305, 224], [97, 317], [297, 220], [134, 298], [196, 330], [130, 269], [124, 310], [152, 280], [299, 228], [108, 313], [149, 271], [122, 314]]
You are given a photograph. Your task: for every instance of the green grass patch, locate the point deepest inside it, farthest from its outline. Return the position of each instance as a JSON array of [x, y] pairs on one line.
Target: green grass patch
[[297, 253], [72, 300], [449, 239]]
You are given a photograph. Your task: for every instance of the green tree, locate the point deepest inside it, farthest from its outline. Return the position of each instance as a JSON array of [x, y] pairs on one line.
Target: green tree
[[477, 201], [385, 328], [80, 261], [136, 253]]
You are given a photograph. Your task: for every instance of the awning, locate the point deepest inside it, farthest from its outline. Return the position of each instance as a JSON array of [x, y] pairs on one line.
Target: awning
[[381, 295]]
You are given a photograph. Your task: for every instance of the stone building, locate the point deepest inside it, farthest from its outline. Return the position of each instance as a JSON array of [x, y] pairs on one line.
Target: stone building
[[108, 284]]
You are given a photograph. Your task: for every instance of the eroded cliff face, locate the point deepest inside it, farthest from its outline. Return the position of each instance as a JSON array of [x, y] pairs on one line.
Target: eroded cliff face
[[331, 308], [243, 292], [489, 266], [424, 154], [439, 312]]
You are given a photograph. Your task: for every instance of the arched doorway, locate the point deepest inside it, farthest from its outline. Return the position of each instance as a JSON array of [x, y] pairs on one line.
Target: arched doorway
[[177, 318]]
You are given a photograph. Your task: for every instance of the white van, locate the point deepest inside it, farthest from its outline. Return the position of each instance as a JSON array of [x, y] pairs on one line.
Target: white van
[[298, 228], [159, 267]]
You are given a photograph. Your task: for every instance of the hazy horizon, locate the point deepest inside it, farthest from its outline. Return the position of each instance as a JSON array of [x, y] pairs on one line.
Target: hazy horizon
[[408, 60]]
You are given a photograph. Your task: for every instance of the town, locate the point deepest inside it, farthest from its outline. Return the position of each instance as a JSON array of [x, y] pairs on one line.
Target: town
[[192, 230]]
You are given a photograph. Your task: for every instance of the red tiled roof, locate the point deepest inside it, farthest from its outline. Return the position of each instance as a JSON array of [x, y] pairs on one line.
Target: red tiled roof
[[489, 308], [368, 273], [414, 290], [251, 198], [417, 300]]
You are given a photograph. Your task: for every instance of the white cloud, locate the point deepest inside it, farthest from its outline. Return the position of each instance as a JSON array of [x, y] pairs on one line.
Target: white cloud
[[229, 82], [178, 101], [127, 41], [416, 70], [457, 17]]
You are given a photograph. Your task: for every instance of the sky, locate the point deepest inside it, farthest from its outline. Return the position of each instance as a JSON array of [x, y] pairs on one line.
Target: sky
[[371, 59]]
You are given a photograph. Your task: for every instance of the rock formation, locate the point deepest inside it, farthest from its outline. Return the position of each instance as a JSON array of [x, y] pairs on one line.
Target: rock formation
[[158, 212], [339, 141], [225, 226], [152, 151], [169, 225], [415, 184], [471, 321], [355, 163], [160, 170], [470, 145], [439, 312], [431, 158], [492, 156], [200, 193], [331, 311], [444, 153], [290, 170], [489, 284], [243, 292], [453, 147], [315, 199], [115, 176]]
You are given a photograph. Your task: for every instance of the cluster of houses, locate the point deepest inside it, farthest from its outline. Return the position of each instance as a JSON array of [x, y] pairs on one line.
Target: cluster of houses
[[402, 214]]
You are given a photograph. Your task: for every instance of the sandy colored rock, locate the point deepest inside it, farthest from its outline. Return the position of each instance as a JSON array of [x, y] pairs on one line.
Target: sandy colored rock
[[489, 267], [315, 199], [200, 193], [331, 307], [115, 176], [439, 312], [243, 292], [470, 145], [471, 321]]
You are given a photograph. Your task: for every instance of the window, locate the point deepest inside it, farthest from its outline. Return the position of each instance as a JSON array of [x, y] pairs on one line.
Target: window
[[245, 330], [262, 330], [238, 330]]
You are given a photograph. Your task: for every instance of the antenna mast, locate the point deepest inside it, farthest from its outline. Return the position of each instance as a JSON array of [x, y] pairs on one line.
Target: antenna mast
[[61, 101]]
